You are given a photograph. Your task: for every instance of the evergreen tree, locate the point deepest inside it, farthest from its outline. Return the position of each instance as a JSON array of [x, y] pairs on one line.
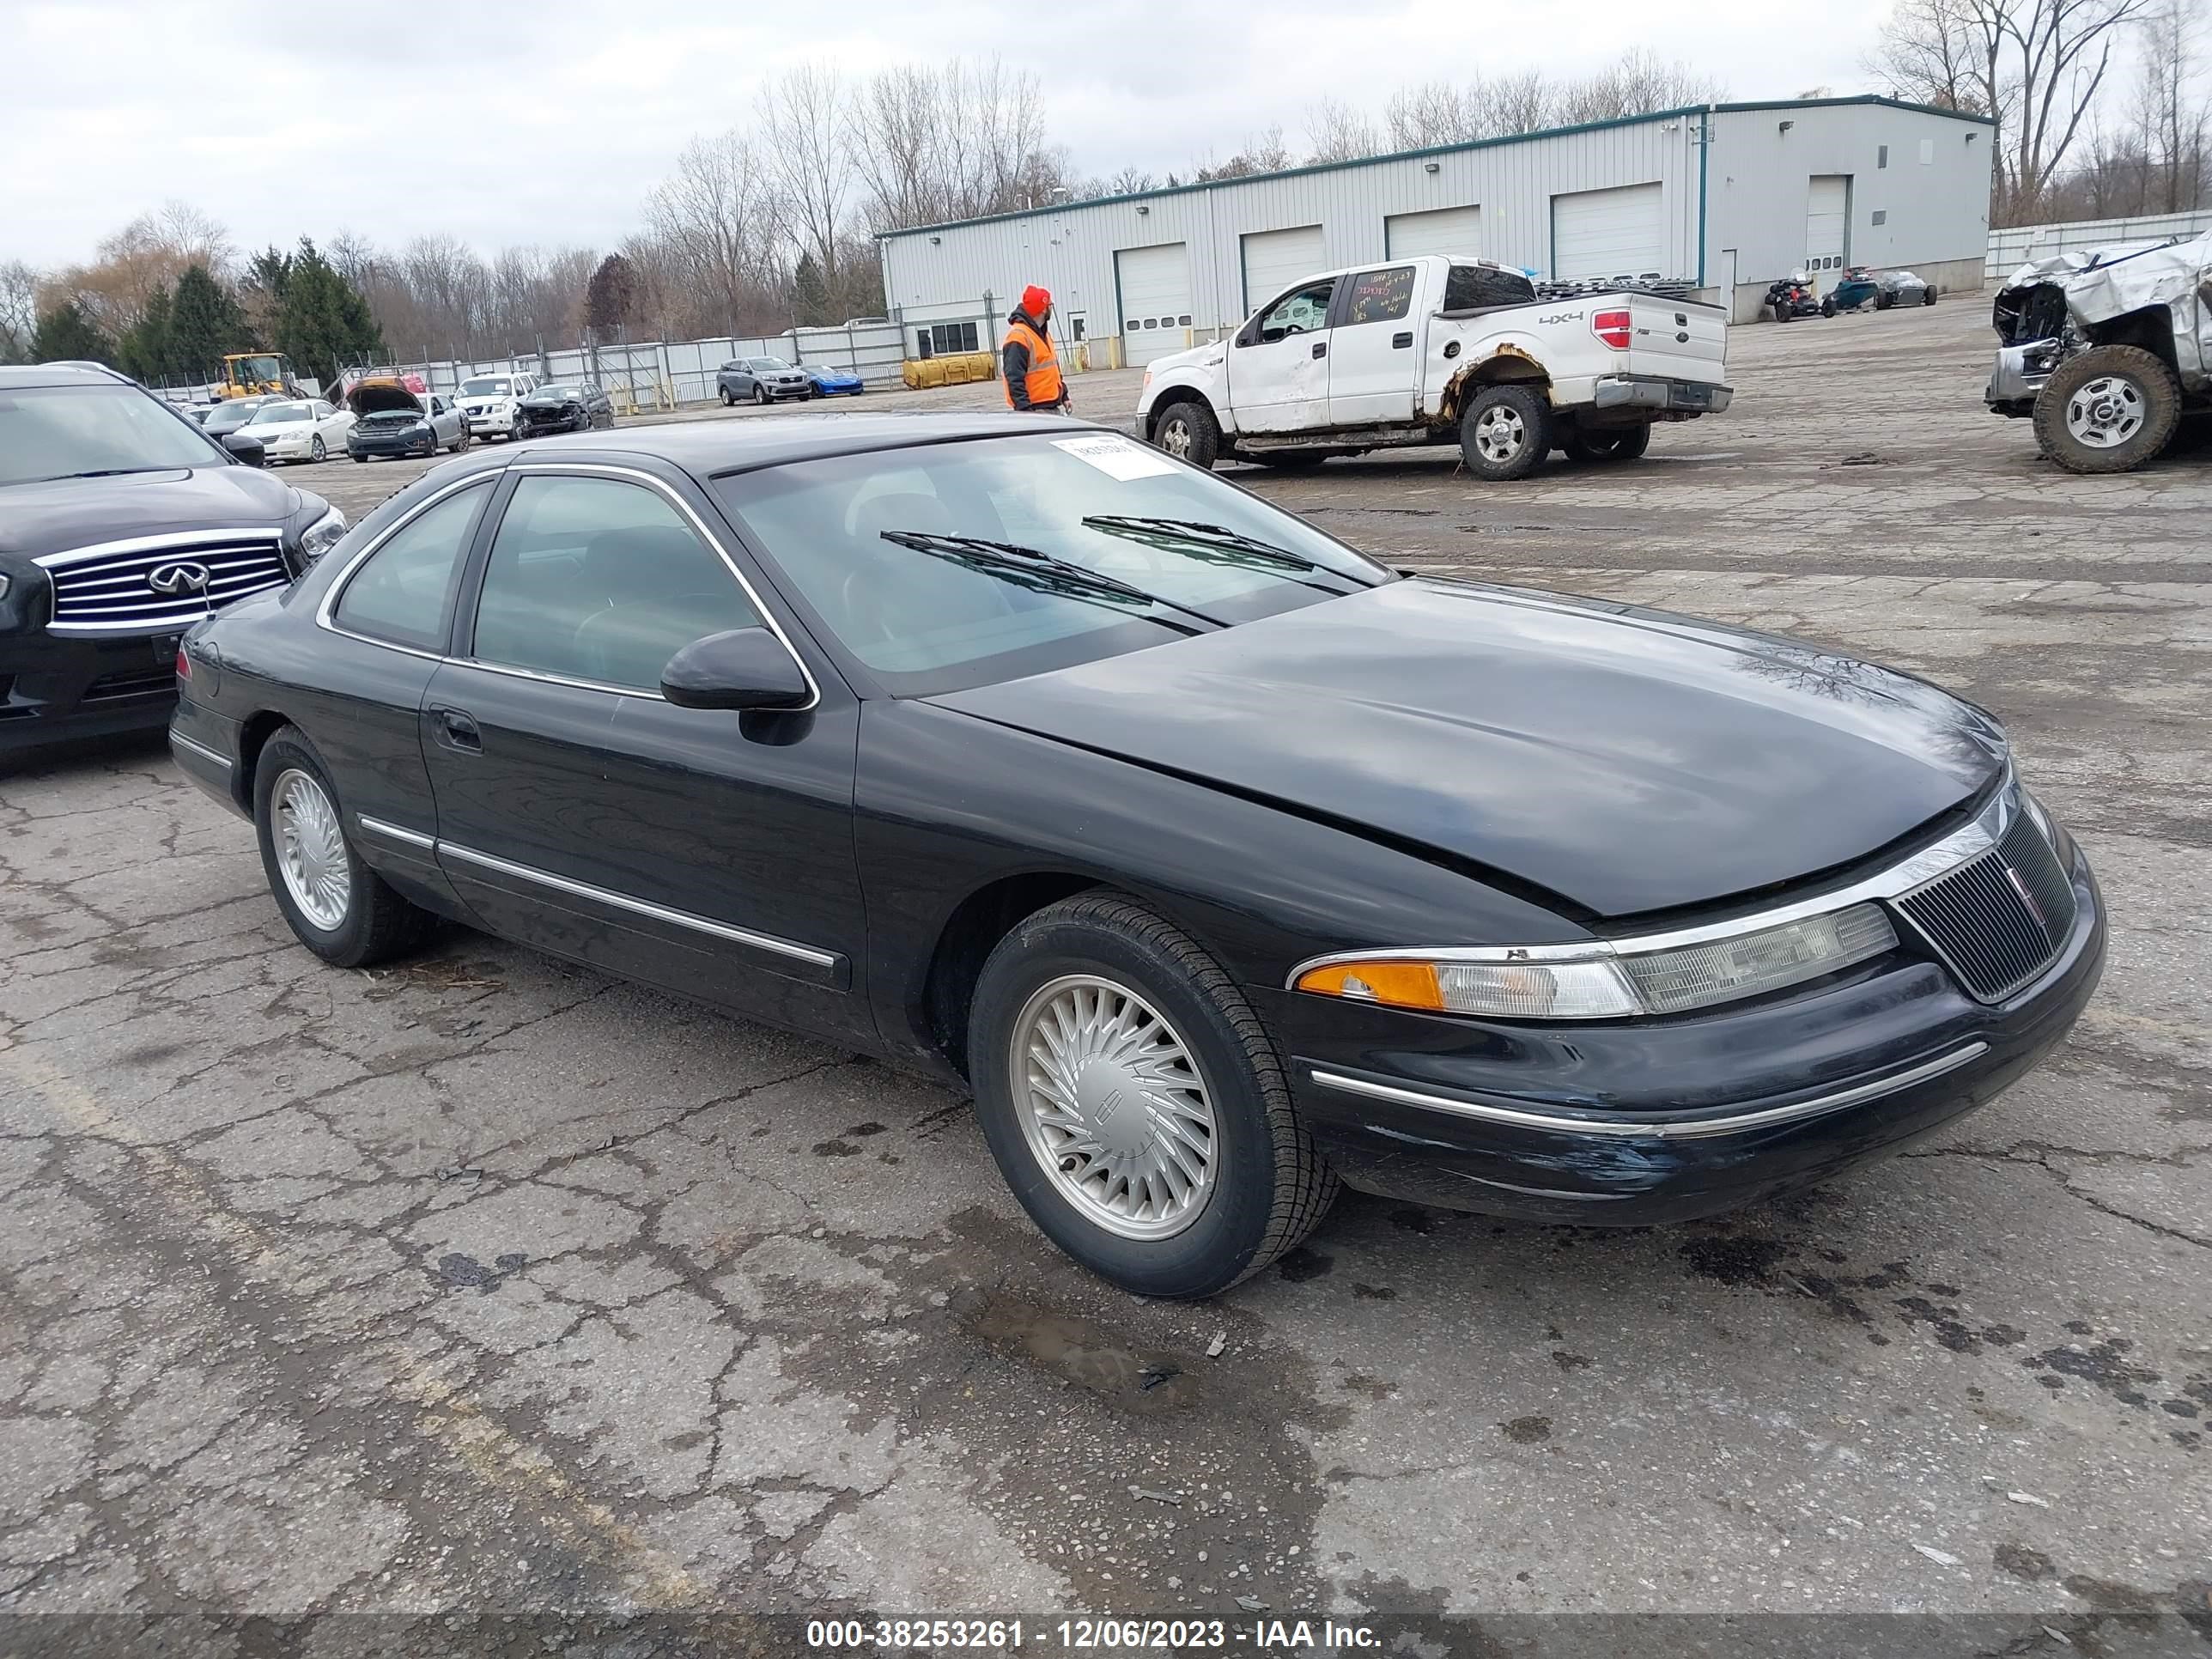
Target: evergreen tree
[[66, 334], [143, 352], [611, 297], [810, 294], [204, 323], [322, 322]]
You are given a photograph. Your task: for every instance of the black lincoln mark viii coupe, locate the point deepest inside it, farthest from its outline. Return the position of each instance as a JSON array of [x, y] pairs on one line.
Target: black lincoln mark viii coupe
[[1219, 861]]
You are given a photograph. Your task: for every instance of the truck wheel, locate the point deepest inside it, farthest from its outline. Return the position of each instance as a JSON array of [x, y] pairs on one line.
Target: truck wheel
[[2110, 410], [1505, 433], [1188, 431], [1614, 443]]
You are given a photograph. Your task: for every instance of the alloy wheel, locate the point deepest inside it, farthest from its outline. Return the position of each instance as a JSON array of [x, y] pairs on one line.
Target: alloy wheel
[[1499, 435], [1174, 437], [2105, 412], [1113, 1107], [311, 850]]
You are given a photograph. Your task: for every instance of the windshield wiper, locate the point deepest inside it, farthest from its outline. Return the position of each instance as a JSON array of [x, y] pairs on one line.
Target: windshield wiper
[[1214, 543], [110, 472], [1044, 573]]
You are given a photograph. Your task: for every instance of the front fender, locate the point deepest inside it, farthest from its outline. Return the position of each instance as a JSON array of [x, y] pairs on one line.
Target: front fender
[[1205, 378]]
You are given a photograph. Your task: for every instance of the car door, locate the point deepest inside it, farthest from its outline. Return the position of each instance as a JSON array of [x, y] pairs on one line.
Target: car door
[[383, 624], [708, 852], [1373, 366], [1278, 367]]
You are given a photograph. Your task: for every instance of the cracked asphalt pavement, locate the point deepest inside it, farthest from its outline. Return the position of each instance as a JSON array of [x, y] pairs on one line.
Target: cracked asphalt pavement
[[480, 1284]]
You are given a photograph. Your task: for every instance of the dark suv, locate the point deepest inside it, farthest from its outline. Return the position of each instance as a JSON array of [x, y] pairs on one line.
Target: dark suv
[[121, 525]]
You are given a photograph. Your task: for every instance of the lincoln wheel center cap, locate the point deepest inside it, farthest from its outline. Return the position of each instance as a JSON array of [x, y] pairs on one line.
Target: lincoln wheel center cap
[[1113, 1104]]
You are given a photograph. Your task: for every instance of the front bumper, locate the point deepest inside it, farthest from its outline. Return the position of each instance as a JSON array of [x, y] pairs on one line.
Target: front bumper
[[55, 688], [529, 427], [2018, 375], [1651, 392], [416, 442], [491, 426], [1640, 1122]]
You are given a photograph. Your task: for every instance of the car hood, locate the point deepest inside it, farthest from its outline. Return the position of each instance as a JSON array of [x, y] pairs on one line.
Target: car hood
[[1622, 760], [1197, 356], [383, 398], [50, 518]]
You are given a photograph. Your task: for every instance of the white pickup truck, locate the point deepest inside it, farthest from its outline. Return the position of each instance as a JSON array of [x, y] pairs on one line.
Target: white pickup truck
[[1435, 350]]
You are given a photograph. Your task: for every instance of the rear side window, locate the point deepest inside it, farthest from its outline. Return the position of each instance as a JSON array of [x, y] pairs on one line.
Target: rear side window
[[403, 592], [1381, 296], [1469, 287], [592, 579]]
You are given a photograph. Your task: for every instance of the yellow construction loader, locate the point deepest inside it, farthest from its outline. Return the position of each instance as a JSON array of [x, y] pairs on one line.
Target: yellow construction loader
[[254, 373]]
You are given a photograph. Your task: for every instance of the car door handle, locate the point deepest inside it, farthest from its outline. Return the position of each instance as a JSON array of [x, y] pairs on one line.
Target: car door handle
[[1402, 342], [1320, 348], [458, 731]]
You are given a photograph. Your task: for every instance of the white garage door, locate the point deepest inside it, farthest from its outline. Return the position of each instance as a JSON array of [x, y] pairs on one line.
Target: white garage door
[[1451, 231], [1608, 233], [1827, 221], [1155, 289], [1274, 260]]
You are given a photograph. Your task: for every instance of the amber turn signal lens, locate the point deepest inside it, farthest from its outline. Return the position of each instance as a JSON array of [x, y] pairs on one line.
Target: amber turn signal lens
[[1400, 984]]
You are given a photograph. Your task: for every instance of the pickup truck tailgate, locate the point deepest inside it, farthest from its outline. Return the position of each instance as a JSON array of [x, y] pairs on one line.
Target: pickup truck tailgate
[[1673, 338]]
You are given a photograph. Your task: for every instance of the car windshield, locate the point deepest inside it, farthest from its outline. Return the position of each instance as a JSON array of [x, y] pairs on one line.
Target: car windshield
[[488, 386], [279, 414], [78, 431], [769, 365], [558, 392], [922, 620], [228, 417]]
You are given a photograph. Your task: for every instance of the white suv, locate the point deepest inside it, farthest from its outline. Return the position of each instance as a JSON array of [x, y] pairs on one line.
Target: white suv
[[488, 402]]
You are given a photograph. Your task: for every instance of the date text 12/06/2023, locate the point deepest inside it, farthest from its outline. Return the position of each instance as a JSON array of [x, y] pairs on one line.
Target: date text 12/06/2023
[[988, 1635]]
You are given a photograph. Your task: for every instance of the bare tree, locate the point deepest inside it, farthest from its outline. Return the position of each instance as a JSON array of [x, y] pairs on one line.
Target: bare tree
[[2172, 117], [1129, 181], [809, 160], [1439, 113], [19, 311], [954, 142], [1337, 132], [143, 260], [2035, 66], [719, 220]]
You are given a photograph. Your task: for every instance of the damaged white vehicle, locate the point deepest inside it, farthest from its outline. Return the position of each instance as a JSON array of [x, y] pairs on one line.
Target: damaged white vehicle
[[2106, 351]]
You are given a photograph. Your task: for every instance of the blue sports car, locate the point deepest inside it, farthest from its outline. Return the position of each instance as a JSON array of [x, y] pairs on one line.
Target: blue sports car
[[829, 382]]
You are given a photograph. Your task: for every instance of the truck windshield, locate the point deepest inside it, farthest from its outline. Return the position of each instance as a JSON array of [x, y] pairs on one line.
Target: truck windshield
[[78, 431], [486, 387]]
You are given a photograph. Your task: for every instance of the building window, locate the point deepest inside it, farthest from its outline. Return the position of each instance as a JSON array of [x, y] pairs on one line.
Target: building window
[[941, 339], [1882, 216], [1882, 155]]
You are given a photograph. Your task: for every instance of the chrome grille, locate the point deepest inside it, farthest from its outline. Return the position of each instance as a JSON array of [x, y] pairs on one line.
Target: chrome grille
[[110, 588], [1998, 919]]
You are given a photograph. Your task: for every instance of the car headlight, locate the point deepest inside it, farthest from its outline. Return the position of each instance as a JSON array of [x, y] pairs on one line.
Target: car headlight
[[1606, 980], [323, 535], [3, 583]]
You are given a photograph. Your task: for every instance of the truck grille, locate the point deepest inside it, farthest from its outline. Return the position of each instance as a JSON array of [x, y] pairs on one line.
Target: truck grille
[[157, 585], [1998, 919]]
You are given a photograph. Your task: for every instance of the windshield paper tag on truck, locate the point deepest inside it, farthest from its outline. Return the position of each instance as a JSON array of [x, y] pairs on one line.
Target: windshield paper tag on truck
[[1117, 457]]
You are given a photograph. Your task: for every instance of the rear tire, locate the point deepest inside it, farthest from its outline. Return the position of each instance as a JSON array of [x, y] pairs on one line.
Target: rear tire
[[728, 401], [1505, 433], [1616, 443], [1173, 1038], [2110, 410], [1186, 430], [335, 904]]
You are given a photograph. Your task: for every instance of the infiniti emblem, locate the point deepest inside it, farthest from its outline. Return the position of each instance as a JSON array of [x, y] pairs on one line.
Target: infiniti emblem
[[2019, 886], [182, 577]]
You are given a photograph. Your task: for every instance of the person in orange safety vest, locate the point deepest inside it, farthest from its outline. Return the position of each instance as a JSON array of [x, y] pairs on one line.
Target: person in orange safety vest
[[1026, 361]]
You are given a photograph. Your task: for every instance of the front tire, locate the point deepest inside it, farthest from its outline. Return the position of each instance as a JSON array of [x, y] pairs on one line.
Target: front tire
[[335, 904], [760, 396], [1188, 431], [2110, 410], [1613, 443], [1828, 307], [1928, 294], [318, 450], [1505, 433], [1135, 1103]]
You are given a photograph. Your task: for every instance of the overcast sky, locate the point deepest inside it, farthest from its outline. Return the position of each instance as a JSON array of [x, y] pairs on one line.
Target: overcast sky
[[548, 122]]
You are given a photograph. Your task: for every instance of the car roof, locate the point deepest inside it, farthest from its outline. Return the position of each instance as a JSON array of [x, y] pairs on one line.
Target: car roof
[[32, 374], [705, 448]]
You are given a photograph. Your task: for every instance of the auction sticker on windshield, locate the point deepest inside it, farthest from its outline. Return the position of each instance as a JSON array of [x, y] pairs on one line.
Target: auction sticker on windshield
[[1117, 457]]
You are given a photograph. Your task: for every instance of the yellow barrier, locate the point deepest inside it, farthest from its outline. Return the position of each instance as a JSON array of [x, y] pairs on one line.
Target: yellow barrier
[[960, 370]]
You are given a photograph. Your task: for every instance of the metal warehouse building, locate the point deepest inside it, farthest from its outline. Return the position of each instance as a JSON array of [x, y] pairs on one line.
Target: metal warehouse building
[[1725, 197]]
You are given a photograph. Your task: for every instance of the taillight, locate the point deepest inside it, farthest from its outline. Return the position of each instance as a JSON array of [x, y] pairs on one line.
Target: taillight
[[1612, 327], [184, 664]]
